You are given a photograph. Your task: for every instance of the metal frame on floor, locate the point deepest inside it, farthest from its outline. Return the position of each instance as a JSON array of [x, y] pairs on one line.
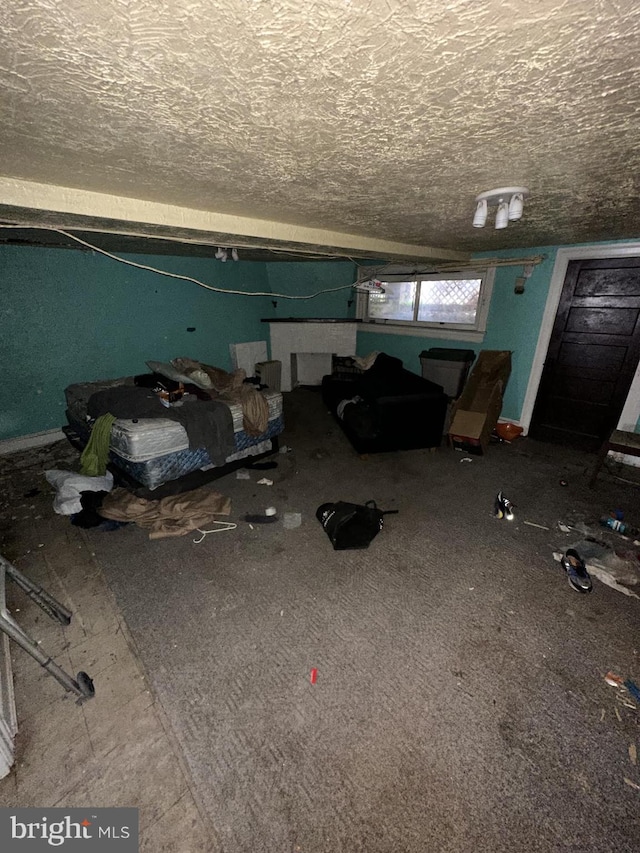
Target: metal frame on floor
[[82, 685]]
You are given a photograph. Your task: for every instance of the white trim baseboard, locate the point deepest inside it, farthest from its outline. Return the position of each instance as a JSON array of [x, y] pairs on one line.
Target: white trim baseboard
[[624, 458], [26, 442], [563, 257]]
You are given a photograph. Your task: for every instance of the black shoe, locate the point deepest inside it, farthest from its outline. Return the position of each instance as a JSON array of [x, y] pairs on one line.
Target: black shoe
[[503, 507], [577, 573]]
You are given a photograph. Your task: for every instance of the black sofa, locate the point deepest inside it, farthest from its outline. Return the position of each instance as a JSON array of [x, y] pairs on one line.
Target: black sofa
[[391, 408]]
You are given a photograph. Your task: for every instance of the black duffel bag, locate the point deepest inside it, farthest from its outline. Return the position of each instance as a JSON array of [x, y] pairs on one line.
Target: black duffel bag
[[351, 526]]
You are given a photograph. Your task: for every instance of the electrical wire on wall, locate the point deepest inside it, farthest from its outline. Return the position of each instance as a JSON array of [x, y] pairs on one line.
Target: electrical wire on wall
[[366, 274], [179, 276]]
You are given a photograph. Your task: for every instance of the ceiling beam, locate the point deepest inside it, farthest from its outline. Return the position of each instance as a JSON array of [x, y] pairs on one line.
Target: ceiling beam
[[33, 203]]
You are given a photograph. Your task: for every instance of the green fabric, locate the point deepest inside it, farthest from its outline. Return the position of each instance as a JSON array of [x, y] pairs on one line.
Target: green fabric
[[94, 456]]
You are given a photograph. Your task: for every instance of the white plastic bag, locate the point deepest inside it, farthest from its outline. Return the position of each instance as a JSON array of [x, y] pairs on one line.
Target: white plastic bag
[[68, 486]]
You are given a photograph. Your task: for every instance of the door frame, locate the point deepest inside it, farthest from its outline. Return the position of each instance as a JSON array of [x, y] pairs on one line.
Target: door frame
[[631, 409]]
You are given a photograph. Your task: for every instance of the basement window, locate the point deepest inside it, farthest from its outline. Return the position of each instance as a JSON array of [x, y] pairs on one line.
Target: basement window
[[450, 305]]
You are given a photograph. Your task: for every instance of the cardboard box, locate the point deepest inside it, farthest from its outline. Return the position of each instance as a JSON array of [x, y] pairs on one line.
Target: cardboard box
[[478, 408]]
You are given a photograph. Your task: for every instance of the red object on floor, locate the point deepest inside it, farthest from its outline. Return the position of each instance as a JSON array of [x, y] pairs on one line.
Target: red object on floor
[[314, 676]]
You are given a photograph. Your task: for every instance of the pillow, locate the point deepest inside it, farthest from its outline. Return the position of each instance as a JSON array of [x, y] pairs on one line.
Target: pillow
[[197, 377], [196, 372]]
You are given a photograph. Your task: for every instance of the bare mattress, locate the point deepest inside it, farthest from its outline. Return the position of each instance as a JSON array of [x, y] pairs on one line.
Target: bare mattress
[[155, 450]]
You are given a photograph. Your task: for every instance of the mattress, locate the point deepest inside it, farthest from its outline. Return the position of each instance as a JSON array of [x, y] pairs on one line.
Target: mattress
[[156, 450], [148, 438], [154, 472]]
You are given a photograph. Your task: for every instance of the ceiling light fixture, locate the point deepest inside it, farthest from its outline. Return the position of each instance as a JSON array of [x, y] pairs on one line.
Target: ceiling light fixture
[[502, 215], [516, 206], [510, 201], [480, 216]]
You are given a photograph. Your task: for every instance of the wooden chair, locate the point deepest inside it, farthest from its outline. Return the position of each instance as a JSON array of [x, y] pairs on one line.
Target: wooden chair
[[621, 442]]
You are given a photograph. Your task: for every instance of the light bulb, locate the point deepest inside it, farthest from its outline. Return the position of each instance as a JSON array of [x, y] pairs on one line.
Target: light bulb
[[480, 216], [515, 206], [502, 216]]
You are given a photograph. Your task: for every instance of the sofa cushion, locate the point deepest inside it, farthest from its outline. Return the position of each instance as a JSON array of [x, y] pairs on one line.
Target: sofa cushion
[[362, 420]]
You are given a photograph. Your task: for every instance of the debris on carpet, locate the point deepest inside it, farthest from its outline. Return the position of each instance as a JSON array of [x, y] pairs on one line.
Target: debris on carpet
[[620, 572], [630, 690]]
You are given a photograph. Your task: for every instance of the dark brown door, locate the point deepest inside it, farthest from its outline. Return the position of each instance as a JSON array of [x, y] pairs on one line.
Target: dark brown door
[[592, 355]]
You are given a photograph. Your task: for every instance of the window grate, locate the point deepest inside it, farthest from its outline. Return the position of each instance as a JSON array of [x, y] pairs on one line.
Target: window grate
[[449, 301], [454, 304]]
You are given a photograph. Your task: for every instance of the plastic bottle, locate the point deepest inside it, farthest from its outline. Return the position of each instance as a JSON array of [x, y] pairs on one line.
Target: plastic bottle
[[618, 526]]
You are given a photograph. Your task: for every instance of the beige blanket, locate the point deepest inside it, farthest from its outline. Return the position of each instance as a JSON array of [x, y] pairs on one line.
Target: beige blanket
[[172, 516]]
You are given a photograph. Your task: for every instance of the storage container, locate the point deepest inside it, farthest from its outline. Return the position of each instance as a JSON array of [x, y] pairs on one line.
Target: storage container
[[447, 367], [269, 373]]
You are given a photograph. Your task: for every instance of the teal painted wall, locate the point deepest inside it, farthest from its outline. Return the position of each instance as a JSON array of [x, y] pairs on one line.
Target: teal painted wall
[[513, 323], [70, 316], [309, 277]]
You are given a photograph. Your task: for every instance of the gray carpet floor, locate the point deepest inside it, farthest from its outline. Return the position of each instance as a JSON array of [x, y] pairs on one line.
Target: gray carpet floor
[[460, 703]]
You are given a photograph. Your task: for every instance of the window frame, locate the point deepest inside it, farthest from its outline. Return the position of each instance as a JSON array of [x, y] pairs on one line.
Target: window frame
[[473, 332]]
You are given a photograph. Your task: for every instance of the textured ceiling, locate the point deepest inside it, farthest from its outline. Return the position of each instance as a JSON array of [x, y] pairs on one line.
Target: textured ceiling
[[381, 118]]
